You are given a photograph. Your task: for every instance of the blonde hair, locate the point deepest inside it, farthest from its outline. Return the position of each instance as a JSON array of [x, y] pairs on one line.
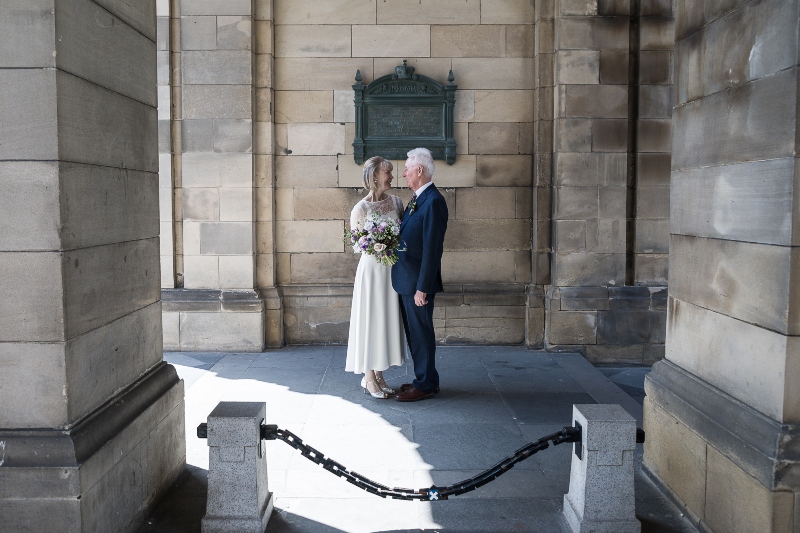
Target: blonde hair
[[372, 166]]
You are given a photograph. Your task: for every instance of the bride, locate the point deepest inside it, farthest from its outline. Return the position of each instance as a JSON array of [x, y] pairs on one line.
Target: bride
[[376, 340]]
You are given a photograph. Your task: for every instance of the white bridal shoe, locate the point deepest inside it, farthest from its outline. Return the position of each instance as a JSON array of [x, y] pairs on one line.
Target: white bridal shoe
[[382, 384], [380, 394]]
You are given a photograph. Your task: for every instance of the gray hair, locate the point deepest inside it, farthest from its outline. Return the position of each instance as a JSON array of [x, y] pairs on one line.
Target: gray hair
[[423, 158], [372, 166]]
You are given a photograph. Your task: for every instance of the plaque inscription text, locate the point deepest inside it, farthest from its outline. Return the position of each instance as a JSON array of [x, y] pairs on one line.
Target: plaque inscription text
[[393, 121]]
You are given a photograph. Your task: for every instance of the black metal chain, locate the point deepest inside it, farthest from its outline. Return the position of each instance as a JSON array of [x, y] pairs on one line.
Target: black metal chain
[[434, 493]]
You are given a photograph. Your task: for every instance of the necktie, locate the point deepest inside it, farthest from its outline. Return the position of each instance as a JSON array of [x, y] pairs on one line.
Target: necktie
[[413, 199]]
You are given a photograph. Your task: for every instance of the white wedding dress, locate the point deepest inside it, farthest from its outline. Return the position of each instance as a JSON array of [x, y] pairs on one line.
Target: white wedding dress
[[377, 339]]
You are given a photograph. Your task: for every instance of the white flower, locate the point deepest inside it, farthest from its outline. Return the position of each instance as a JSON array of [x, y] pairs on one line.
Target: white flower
[[379, 247], [369, 224]]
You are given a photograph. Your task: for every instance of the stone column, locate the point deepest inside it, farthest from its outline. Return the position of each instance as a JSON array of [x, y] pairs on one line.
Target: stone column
[[723, 408], [165, 159], [597, 302], [653, 39], [542, 191], [91, 423], [217, 308], [264, 149]]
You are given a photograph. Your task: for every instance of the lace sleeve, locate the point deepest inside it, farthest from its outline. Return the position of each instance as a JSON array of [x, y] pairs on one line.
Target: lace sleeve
[[398, 205], [357, 215]]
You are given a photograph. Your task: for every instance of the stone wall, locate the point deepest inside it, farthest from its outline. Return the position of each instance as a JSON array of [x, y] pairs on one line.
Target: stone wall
[[723, 408], [560, 183], [486, 264]]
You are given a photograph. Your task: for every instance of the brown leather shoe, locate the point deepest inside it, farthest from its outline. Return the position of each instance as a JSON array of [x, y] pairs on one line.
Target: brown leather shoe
[[412, 395], [405, 386]]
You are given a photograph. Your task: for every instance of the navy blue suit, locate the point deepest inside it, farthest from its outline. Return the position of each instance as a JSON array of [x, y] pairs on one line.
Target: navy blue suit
[[419, 268]]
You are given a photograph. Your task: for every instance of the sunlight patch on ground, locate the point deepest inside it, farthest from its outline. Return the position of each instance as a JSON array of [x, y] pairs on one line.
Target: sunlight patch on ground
[[357, 437]]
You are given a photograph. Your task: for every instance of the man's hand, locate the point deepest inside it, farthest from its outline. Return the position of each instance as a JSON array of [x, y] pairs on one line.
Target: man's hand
[[420, 298]]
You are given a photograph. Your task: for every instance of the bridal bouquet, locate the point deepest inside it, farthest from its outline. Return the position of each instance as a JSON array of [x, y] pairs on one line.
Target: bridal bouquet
[[379, 237]]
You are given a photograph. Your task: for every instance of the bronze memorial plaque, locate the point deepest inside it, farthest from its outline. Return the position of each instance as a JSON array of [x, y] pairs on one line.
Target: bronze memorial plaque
[[402, 111]]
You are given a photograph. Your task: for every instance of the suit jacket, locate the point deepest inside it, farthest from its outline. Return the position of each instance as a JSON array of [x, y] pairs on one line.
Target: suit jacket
[[419, 267]]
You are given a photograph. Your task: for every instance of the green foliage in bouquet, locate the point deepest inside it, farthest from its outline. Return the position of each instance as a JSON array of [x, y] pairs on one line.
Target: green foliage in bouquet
[[379, 237]]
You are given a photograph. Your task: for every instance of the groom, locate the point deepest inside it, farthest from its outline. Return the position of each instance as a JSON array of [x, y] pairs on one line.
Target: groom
[[417, 275]]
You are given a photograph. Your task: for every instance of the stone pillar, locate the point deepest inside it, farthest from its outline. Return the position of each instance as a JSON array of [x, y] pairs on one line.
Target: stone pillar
[[91, 423], [165, 134], [653, 39], [722, 410], [542, 190], [217, 307], [598, 302], [239, 500], [264, 149], [601, 496]]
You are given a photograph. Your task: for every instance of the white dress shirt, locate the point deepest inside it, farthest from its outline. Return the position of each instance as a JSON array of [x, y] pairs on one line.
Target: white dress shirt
[[418, 192]]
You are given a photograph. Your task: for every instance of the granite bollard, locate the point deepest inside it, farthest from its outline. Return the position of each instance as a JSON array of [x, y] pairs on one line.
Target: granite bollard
[[239, 500], [601, 491]]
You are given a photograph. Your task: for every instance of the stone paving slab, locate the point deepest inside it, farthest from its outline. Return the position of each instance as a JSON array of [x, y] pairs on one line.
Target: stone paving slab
[[493, 401]]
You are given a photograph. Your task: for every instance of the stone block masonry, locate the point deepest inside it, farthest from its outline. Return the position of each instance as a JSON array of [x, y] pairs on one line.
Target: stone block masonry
[[583, 116], [222, 188], [544, 192], [608, 324], [723, 404], [610, 186], [92, 425], [487, 263]]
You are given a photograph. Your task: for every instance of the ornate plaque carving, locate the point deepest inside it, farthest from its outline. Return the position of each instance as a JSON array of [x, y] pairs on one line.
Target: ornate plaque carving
[[402, 111]]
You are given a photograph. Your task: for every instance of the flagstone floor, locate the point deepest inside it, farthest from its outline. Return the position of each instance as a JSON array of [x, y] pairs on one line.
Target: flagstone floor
[[493, 401]]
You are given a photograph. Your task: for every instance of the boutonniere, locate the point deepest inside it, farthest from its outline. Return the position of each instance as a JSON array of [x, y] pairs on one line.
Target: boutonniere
[[412, 206]]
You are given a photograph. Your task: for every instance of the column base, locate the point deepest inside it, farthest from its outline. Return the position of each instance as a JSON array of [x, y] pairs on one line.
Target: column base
[[218, 320], [731, 467], [493, 314], [607, 324], [107, 472]]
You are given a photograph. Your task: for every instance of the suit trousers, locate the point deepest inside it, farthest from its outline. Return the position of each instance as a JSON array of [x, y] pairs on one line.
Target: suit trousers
[[418, 323]]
